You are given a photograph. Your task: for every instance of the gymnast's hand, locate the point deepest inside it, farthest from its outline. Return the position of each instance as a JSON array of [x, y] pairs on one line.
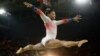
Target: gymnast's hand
[[29, 5], [77, 18]]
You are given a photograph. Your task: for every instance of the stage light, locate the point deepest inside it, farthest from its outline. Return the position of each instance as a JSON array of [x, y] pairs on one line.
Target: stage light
[[49, 53], [2, 11], [83, 2]]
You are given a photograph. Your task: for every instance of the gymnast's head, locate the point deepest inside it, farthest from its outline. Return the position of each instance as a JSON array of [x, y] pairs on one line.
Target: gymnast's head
[[50, 13]]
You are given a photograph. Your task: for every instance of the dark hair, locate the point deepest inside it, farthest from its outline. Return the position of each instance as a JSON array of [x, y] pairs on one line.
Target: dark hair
[[48, 10]]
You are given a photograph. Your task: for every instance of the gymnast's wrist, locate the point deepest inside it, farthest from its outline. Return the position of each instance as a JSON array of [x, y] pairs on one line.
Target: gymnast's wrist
[[70, 19], [33, 7]]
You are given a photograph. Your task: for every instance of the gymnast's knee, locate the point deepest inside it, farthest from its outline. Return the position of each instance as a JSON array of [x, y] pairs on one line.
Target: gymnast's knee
[[44, 41], [29, 46]]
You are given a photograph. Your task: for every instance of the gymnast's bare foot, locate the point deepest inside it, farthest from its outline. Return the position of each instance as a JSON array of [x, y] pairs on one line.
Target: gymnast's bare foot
[[82, 42], [20, 50]]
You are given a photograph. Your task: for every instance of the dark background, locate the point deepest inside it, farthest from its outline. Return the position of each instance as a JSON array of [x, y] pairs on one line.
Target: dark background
[[24, 26]]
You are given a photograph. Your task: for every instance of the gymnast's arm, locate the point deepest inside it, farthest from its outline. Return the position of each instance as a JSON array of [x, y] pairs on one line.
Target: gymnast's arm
[[67, 20], [39, 12]]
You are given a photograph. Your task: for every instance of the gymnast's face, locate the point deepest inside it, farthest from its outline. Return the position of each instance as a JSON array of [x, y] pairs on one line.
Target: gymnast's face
[[52, 15]]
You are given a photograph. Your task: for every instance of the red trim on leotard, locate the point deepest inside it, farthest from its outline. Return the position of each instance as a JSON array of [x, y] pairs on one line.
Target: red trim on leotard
[[50, 25], [64, 21]]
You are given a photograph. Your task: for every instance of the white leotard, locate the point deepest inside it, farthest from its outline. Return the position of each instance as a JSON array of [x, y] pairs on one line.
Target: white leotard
[[51, 30], [51, 27]]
